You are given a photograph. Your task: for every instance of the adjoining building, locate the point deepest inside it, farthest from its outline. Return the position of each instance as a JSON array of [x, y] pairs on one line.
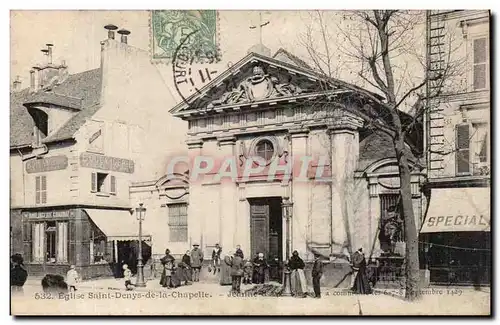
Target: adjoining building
[[456, 238], [77, 142]]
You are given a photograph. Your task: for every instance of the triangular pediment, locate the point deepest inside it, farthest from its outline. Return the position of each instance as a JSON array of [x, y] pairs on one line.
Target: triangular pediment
[[255, 79]]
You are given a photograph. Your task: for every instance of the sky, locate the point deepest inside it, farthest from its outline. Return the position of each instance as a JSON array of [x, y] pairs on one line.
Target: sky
[[76, 36]]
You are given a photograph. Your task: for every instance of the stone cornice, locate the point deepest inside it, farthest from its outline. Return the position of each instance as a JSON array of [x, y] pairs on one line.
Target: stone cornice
[[194, 143], [298, 132], [226, 140]]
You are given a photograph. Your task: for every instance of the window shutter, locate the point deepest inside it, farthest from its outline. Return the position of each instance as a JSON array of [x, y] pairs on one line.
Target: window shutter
[[37, 189], [480, 63], [27, 239], [463, 145], [112, 185], [94, 182], [43, 189]]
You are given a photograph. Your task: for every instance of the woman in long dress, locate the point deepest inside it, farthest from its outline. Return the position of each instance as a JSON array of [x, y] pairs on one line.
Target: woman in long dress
[[361, 282], [298, 278], [168, 266], [225, 271]]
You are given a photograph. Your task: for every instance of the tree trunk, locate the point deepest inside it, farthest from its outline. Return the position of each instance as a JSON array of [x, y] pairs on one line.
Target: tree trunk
[[412, 262]]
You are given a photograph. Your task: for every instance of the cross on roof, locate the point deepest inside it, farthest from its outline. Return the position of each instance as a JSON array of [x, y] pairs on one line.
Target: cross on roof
[[261, 24]]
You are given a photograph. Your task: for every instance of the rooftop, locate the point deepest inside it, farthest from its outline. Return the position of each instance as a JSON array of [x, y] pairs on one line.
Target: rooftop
[[80, 91]]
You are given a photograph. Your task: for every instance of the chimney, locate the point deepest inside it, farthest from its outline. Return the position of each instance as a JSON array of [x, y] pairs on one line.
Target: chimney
[[124, 33], [46, 53], [32, 81], [111, 30], [49, 53], [16, 85]]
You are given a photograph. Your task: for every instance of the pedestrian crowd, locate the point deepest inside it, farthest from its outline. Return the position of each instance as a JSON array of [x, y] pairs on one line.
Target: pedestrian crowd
[[232, 269]]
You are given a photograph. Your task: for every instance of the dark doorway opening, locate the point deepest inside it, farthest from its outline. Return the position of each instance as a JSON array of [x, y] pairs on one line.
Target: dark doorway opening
[[266, 232], [128, 251]]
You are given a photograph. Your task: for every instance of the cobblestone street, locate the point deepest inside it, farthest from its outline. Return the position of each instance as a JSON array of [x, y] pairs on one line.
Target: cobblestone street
[[107, 296]]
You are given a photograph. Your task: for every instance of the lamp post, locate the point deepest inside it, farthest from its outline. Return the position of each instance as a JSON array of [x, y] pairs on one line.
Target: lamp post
[[141, 213], [287, 213]]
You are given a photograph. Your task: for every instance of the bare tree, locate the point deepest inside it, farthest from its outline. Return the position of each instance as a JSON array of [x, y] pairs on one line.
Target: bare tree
[[387, 49]]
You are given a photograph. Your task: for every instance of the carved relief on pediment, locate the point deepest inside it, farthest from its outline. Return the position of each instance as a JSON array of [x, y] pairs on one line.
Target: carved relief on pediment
[[258, 86]]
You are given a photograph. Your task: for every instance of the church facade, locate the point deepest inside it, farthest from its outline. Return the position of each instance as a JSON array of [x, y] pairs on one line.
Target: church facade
[[280, 160]]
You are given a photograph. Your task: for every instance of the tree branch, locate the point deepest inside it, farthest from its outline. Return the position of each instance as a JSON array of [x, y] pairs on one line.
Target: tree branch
[[409, 92]]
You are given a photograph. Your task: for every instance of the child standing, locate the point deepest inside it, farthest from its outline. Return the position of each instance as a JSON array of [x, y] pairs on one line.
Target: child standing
[[247, 272], [127, 275], [72, 278]]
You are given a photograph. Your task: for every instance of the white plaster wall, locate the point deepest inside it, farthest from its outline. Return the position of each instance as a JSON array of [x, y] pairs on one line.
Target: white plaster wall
[[134, 93], [17, 182]]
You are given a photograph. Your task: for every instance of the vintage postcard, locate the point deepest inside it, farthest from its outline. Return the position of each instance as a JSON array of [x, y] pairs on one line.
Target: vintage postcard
[[212, 162]]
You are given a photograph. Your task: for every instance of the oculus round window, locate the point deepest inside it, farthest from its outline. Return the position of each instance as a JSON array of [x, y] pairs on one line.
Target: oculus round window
[[265, 150]]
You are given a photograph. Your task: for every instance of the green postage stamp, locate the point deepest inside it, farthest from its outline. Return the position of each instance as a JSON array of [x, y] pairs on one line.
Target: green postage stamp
[[196, 29]]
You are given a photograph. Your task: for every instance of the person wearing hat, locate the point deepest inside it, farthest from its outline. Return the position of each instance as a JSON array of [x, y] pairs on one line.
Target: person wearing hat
[[317, 272], [168, 268], [18, 274], [196, 262], [72, 278]]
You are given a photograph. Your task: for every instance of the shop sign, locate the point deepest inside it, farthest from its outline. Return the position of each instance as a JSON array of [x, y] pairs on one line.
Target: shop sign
[[457, 223], [102, 162], [63, 214], [46, 164]]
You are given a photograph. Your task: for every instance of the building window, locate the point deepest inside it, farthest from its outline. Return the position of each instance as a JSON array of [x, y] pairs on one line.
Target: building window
[[50, 242], [265, 150], [103, 183], [97, 246], [391, 227], [480, 149], [177, 222], [462, 149], [480, 64], [40, 189], [41, 128]]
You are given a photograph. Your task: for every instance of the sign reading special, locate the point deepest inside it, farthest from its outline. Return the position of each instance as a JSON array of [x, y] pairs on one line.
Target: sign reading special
[[46, 164], [120, 165], [457, 223]]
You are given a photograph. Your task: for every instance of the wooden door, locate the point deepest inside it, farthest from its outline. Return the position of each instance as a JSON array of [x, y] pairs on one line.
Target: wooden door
[[259, 228]]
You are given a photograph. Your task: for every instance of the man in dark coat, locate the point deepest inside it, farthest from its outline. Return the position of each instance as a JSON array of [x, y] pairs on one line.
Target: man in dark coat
[[216, 255], [317, 272], [18, 274], [196, 262], [236, 272]]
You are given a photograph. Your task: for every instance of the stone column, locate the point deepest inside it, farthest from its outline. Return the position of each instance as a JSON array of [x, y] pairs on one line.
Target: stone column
[[300, 193], [344, 139], [374, 215], [195, 206], [231, 230]]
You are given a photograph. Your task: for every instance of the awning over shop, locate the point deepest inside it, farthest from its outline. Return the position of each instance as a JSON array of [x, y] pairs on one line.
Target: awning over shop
[[117, 224], [458, 209]]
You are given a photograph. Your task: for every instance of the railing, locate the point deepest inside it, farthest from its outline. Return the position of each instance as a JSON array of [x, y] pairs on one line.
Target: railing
[[386, 276], [460, 275]]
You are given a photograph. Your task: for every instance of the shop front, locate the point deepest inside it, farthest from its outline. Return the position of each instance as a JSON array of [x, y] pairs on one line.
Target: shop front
[[456, 237], [97, 241]]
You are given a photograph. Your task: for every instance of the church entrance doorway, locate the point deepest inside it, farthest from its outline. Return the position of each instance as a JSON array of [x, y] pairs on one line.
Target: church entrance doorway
[[266, 232]]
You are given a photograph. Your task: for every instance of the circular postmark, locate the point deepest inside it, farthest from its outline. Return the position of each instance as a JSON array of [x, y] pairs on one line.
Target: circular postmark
[[191, 67]]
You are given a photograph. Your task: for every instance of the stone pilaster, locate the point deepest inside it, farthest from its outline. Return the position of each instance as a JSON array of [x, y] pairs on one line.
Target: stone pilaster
[[195, 212], [373, 189], [300, 194], [231, 230], [344, 139]]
